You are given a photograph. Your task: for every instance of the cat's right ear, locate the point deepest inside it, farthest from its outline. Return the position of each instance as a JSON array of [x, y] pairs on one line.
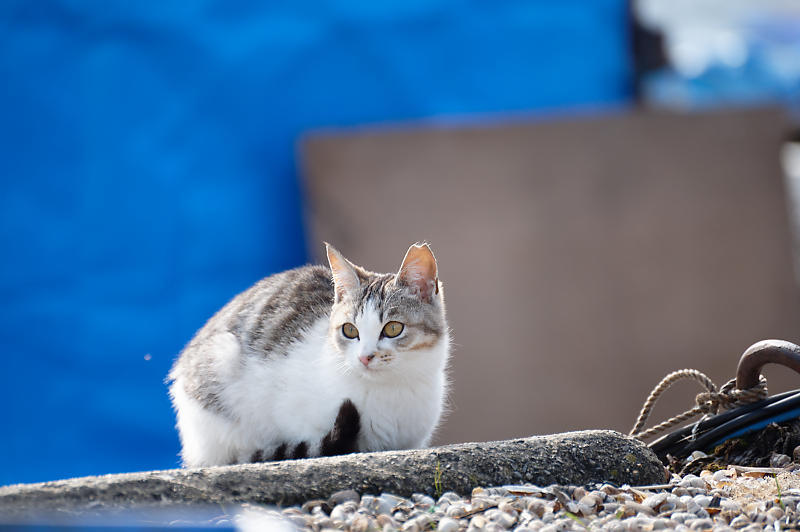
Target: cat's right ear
[[419, 271], [345, 279]]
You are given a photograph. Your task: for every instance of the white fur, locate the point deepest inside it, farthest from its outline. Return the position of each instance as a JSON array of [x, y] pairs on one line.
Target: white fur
[[295, 397]]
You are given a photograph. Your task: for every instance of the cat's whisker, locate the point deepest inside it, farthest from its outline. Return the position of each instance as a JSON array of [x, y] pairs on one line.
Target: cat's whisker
[[343, 367]]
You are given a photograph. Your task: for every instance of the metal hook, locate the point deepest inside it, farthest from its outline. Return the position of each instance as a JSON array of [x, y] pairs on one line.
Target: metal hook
[[765, 352]]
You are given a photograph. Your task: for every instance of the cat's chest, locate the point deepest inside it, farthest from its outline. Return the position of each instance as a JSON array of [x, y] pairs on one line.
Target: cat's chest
[[395, 417]]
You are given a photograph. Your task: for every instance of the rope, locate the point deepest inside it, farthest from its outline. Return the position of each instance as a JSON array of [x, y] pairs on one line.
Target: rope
[[708, 402]]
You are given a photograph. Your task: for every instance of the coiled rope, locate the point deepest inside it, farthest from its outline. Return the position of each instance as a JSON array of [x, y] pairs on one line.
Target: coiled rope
[[708, 402]]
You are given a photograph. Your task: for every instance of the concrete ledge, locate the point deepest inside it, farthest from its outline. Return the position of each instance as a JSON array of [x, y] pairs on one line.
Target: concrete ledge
[[577, 458]]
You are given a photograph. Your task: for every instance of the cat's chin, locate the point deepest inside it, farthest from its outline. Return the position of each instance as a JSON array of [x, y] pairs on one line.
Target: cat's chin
[[370, 373]]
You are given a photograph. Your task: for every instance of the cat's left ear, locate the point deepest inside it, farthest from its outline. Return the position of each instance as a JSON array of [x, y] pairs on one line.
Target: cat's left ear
[[345, 279], [419, 271]]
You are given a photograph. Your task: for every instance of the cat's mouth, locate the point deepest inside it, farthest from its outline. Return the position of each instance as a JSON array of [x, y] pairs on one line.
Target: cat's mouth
[[372, 370]]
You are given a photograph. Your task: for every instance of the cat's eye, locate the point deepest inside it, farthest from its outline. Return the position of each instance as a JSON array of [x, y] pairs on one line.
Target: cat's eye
[[392, 329], [349, 331]]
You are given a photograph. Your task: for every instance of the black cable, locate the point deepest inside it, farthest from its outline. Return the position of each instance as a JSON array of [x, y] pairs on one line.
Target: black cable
[[721, 432], [713, 430], [706, 423], [717, 430]]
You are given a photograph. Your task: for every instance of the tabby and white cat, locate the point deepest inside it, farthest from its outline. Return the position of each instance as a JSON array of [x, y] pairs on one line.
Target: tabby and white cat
[[314, 362]]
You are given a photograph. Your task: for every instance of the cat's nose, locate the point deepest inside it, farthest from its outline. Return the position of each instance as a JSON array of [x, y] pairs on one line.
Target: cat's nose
[[365, 359]]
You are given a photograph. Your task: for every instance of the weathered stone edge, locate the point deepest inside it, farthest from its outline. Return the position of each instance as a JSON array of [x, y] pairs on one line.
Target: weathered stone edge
[[577, 458]]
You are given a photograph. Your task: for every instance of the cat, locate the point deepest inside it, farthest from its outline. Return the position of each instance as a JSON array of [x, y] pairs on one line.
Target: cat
[[317, 361]]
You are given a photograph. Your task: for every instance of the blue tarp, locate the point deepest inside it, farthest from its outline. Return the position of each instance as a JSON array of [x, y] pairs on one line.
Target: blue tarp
[[147, 174]]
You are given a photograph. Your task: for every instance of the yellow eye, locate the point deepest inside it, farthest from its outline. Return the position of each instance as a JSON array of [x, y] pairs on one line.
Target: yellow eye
[[392, 329], [349, 331]]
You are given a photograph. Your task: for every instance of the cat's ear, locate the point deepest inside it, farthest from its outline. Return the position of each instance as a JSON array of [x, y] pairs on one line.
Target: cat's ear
[[345, 279], [419, 271]]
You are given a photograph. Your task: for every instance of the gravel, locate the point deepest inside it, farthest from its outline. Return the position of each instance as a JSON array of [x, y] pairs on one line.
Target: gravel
[[729, 499]]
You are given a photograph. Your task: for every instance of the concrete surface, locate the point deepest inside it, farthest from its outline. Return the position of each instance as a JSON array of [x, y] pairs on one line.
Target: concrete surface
[[577, 458]]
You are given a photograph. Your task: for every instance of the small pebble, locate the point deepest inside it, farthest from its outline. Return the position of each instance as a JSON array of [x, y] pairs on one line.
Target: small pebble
[[447, 524], [343, 511], [700, 524], [325, 522], [449, 496], [703, 501], [360, 523], [721, 475], [477, 521], [422, 502], [654, 501], [775, 513], [384, 520], [634, 508], [456, 511], [344, 496], [506, 520], [693, 481], [385, 503], [740, 521], [779, 460], [537, 507], [578, 493], [411, 526], [481, 503], [730, 505], [660, 524], [322, 506], [682, 517]]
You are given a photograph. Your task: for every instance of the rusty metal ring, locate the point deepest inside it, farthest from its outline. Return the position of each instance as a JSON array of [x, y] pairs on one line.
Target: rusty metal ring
[[765, 352]]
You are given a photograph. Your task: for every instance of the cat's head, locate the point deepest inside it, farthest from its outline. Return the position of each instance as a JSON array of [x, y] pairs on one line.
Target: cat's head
[[387, 323]]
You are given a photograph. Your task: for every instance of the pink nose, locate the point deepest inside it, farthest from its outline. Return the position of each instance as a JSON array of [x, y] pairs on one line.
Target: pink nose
[[366, 359]]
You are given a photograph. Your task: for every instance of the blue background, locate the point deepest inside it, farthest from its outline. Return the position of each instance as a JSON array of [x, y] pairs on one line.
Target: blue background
[[147, 174]]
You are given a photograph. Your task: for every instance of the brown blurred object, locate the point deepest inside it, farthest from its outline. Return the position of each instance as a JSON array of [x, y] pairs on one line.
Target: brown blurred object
[[582, 259]]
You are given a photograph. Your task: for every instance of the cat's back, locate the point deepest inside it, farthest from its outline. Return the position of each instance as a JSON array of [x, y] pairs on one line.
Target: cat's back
[[275, 312], [267, 318]]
